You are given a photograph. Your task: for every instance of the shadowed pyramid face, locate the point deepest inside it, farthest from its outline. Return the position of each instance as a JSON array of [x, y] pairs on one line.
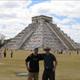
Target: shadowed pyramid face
[[42, 33]]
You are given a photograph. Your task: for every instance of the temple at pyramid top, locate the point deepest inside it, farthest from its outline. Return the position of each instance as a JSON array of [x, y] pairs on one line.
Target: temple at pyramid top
[[40, 19], [42, 33]]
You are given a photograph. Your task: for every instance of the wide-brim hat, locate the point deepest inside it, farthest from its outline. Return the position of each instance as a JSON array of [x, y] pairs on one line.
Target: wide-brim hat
[[47, 49], [35, 48]]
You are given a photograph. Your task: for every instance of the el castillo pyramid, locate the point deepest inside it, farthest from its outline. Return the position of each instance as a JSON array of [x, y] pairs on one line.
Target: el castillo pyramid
[[42, 33]]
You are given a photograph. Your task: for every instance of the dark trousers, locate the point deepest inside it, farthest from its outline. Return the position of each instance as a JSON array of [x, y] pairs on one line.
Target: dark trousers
[[48, 75]]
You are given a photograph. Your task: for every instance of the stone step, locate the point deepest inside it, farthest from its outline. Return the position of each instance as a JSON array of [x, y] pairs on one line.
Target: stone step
[[61, 36]]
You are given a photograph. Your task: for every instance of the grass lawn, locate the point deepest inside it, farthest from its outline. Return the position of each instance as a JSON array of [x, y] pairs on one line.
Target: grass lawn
[[68, 66]]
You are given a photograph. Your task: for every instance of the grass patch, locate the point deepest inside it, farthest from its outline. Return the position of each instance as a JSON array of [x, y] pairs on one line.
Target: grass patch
[[68, 66]]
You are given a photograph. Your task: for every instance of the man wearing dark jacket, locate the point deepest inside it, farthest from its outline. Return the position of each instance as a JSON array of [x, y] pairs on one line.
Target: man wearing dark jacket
[[32, 64], [50, 64]]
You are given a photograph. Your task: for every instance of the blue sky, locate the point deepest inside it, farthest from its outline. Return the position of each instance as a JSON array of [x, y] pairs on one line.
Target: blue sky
[[15, 15], [38, 1]]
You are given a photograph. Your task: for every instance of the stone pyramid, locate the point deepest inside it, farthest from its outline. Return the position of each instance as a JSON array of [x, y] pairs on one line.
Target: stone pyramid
[[42, 33]]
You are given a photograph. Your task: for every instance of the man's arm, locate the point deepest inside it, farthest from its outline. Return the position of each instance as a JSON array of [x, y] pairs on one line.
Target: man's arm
[[55, 62], [27, 63], [41, 56]]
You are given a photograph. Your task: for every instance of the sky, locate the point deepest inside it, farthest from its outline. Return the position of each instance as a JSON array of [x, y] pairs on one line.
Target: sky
[[15, 15]]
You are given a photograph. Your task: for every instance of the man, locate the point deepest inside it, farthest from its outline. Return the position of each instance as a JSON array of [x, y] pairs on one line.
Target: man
[[11, 53], [50, 64], [5, 52], [32, 64], [0, 53]]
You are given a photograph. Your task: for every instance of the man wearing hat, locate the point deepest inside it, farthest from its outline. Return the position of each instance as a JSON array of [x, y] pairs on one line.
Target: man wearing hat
[[50, 64]]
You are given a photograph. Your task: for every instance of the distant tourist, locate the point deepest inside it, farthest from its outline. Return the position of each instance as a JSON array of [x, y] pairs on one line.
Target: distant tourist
[[69, 52], [77, 51], [5, 52], [11, 53], [60, 51], [32, 64], [0, 53], [50, 64]]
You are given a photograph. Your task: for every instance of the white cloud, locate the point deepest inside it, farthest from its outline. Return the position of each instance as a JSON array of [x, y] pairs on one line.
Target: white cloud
[[13, 16], [67, 8], [14, 3], [76, 27], [16, 14]]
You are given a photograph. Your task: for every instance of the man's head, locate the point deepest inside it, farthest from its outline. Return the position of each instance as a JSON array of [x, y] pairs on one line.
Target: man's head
[[35, 51], [47, 49]]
